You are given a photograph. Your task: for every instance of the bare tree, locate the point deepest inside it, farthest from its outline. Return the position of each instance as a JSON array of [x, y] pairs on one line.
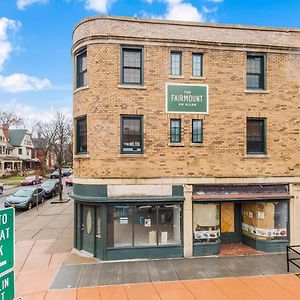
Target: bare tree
[[10, 118], [62, 136]]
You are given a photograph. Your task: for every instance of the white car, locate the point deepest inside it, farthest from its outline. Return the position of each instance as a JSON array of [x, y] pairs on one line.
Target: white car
[[1, 188]]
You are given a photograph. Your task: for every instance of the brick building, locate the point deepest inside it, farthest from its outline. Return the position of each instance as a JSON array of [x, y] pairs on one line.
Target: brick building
[[186, 137]]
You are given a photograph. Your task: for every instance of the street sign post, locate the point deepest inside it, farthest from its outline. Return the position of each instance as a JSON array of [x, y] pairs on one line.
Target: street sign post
[[7, 286], [7, 253], [7, 240]]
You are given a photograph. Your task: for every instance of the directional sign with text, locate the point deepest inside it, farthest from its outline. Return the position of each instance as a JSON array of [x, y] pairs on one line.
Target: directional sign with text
[[7, 230], [7, 286]]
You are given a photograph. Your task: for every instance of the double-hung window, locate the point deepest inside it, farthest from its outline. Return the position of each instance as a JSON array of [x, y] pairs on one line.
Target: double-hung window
[[196, 131], [132, 65], [176, 63], [81, 69], [256, 136], [256, 72], [131, 134], [175, 131], [81, 135], [197, 62]]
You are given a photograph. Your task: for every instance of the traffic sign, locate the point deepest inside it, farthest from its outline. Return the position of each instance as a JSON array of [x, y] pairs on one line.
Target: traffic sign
[[7, 240], [7, 286]]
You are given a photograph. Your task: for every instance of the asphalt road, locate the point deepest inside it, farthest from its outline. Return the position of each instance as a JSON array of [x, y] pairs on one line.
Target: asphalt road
[[8, 192]]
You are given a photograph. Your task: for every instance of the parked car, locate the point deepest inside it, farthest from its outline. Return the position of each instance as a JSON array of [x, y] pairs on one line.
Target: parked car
[[51, 188], [25, 197], [32, 180], [67, 172], [54, 175], [1, 188], [69, 181]]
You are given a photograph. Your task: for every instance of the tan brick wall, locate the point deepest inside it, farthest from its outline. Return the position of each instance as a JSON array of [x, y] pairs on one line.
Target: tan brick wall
[[224, 133]]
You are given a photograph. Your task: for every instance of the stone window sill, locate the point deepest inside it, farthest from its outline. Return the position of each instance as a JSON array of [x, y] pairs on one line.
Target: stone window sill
[[257, 156], [81, 156], [176, 144], [85, 87], [196, 144], [134, 86], [138, 155], [176, 76], [257, 91], [197, 78]]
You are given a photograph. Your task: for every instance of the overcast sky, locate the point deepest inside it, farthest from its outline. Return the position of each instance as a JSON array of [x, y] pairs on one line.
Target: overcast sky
[[35, 40]]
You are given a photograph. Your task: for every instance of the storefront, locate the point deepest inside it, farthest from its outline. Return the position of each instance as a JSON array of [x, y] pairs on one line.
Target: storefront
[[256, 215], [125, 228]]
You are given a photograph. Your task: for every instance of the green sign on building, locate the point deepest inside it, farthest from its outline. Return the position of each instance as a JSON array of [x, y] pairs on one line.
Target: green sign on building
[[7, 232], [7, 286], [187, 98]]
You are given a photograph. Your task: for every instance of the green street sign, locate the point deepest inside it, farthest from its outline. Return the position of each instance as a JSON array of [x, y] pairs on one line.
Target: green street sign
[[187, 98], [7, 240], [7, 286]]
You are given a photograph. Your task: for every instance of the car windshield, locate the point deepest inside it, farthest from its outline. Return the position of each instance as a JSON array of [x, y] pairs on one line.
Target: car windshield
[[29, 178], [23, 193], [48, 184]]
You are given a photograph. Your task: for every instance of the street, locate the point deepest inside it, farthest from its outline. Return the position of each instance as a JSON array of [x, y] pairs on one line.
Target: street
[[10, 191]]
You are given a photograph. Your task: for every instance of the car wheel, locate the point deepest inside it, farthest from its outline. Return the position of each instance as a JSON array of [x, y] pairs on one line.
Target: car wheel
[[53, 195], [29, 207], [1, 190]]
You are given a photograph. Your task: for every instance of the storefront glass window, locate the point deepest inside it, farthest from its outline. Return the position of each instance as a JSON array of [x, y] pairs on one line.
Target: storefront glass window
[[206, 223], [120, 232], [169, 224], [145, 226]]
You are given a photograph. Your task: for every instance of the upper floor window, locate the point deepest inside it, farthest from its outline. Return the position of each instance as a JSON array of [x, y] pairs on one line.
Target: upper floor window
[[256, 136], [255, 71], [176, 63], [131, 134], [196, 131], [81, 69], [81, 135], [20, 151], [132, 66], [175, 130], [197, 62]]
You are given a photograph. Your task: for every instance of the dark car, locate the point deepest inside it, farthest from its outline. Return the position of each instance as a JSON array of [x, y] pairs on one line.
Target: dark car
[[32, 180], [54, 175], [25, 197], [69, 181], [51, 188], [67, 172]]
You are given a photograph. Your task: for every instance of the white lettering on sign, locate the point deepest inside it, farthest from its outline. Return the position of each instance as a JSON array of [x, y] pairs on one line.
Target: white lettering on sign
[[186, 98], [1, 250], [5, 283], [3, 219], [4, 234]]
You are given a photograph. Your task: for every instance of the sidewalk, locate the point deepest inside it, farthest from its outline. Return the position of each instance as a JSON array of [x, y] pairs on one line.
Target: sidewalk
[[44, 240]]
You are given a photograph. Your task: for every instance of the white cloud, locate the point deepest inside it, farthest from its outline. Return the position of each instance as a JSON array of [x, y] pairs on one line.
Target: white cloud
[[18, 82], [21, 4], [215, 1], [6, 48], [35, 113], [183, 12], [100, 6]]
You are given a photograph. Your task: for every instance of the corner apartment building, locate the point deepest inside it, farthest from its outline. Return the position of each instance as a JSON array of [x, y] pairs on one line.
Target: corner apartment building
[[187, 137]]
